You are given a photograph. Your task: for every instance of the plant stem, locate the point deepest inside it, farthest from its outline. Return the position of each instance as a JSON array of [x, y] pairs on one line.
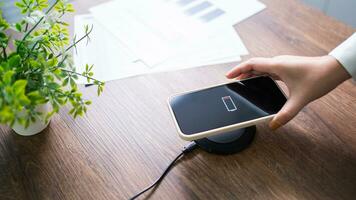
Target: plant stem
[[62, 61], [79, 74], [64, 94], [4, 52], [26, 27], [28, 15], [49, 10], [33, 48], [61, 15], [28, 55], [73, 72], [76, 42]]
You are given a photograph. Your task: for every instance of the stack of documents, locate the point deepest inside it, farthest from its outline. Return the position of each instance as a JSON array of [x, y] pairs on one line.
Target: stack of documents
[[136, 37]]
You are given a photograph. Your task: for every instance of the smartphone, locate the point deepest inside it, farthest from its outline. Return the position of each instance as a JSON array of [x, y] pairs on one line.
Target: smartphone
[[227, 107]]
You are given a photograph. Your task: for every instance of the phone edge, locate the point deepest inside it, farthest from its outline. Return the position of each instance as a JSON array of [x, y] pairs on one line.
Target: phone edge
[[221, 129]]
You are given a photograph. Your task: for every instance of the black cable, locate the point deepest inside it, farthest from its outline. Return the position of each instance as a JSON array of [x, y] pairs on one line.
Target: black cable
[[190, 147]]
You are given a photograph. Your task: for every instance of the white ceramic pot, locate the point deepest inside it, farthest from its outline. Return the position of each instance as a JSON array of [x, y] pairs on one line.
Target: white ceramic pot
[[36, 127]]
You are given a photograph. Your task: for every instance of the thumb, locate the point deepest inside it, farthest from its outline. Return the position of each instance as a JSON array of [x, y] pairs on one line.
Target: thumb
[[290, 109]]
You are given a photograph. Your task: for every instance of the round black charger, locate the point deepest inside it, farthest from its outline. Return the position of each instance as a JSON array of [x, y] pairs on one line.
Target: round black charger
[[228, 143]]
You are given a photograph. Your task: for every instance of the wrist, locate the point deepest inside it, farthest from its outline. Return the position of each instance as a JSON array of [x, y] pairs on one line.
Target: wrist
[[335, 69]]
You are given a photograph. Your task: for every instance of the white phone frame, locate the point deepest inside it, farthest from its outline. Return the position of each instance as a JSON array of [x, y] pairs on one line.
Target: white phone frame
[[224, 129]]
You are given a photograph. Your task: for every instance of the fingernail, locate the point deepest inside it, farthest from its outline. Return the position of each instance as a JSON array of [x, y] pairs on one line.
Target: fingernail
[[274, 125]]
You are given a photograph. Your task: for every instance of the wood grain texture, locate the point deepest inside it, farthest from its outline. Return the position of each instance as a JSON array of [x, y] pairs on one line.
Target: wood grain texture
[[128, 136]]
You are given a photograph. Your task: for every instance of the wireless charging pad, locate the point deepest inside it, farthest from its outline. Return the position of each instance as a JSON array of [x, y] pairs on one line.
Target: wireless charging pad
[[229, 142]]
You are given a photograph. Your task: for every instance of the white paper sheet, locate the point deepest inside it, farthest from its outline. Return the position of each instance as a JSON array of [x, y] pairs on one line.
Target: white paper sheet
[[136, 37], [111, 59], [157, 31], [199, 56]]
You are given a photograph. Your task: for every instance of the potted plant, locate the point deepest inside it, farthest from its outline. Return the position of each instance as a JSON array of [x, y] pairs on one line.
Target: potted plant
[[37, 76]]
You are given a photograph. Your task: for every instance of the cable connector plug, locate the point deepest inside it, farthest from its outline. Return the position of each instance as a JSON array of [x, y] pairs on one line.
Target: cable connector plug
[[189, 147]]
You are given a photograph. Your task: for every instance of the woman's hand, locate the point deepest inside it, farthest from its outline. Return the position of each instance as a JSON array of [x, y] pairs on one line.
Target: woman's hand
[[307, 79]]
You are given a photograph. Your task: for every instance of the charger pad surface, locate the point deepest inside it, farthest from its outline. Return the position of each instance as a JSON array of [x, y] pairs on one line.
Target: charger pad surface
[[228, 143]]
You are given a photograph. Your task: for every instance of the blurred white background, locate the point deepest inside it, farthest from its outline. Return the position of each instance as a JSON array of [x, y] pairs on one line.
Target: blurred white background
[[343, 10]]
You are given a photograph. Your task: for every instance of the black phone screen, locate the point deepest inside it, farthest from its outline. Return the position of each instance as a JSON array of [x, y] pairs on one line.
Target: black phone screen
[[226, 105]]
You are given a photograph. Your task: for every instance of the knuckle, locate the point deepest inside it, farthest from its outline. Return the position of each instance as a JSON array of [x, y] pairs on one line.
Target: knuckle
[[279, 57], [277, 62], [252, 61]]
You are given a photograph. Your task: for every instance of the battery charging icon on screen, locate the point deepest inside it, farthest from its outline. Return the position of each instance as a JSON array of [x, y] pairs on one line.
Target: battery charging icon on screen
[[229, 103]]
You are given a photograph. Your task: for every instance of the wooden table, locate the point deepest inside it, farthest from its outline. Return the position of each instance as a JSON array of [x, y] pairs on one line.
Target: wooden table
[[128, 136]]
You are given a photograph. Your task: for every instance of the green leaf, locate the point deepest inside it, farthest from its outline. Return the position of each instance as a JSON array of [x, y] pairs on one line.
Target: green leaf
[[14, 61], [72, 82], [18, 27], [33, 119], [65, 82], [36, 98], [19, 87], [35, 64], [6, 115], [24, 100], [27, 124], [34, 95], [50, 56], [53, 85], [8, 76], [52, 62], [49, 115], [22, 121], [20, 5], [72, 111]]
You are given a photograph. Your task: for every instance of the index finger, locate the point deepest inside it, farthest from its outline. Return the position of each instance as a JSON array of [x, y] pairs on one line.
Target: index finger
[[260, 65]]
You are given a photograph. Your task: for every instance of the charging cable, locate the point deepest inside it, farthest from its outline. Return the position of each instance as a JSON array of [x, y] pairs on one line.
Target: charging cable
[[188, 148]]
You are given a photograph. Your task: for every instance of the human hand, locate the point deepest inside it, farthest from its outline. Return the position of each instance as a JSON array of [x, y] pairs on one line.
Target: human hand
[[307, 79]]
